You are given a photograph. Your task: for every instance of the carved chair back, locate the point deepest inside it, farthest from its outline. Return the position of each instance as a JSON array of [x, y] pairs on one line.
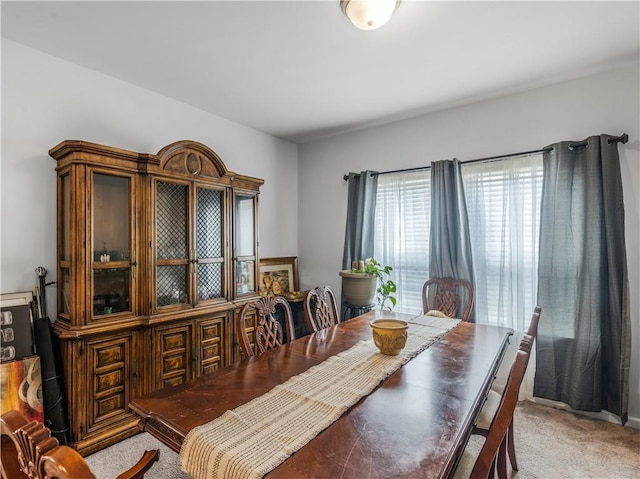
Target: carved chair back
[[320, 309], [29, 452], [267, 331], [446, 297]]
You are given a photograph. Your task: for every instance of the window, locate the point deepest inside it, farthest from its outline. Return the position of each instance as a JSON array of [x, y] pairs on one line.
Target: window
[[503, 203], [403, 204]]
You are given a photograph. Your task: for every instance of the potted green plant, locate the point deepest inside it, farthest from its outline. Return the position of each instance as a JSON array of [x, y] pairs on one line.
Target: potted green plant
[[369, 281]]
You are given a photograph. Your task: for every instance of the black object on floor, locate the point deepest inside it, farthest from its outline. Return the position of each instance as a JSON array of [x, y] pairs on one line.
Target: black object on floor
[[53, 397]]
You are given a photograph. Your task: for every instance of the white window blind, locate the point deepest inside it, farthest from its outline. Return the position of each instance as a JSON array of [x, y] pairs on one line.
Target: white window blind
[[403, 205], [503, 203]]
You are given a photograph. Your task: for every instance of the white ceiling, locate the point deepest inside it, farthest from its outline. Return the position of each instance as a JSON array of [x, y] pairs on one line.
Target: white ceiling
[[299, 70]]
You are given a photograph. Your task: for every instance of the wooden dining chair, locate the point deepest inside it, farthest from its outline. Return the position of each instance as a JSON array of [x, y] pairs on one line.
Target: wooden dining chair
[[267, 331], [320, 309], [29, 452], [442, 294], [490, 409], [483, 465]]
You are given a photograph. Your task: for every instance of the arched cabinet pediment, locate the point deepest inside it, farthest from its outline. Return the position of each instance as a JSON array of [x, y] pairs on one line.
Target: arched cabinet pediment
[[191, 159]]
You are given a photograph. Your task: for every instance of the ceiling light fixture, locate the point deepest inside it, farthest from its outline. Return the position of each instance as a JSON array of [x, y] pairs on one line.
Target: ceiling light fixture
[[369, 14]]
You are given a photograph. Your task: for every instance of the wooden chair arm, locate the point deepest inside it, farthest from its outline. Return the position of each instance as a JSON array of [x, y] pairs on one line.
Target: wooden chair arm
[[64, 462], [142, 466]]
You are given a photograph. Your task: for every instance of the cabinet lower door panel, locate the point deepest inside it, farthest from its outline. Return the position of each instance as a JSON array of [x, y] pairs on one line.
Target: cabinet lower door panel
[[173, 354], [110, 379], [213, 351]]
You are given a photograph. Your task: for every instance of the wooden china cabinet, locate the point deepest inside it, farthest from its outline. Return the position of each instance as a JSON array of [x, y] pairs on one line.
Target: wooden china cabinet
[[157, 253]]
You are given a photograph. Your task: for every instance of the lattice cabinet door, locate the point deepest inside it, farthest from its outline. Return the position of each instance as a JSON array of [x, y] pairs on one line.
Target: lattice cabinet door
[[171, 244], [209, 250], [189, 246]]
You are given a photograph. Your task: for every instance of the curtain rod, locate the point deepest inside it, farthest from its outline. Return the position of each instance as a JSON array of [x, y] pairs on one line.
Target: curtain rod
[[622, 139]]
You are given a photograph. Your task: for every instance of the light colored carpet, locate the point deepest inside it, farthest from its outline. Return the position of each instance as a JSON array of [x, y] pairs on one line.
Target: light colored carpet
[[550, 444], [556, 444]]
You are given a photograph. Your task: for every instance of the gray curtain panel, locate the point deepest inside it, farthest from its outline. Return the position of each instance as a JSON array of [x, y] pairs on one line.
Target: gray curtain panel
[[450, 243], [361, 212], [361, 215], [584, 337]]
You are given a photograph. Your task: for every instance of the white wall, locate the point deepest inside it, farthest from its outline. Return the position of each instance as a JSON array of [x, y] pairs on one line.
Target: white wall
[[46, 100], [606, 102]]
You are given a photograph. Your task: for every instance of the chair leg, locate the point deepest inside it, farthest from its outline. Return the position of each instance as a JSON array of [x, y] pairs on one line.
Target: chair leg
[[512, 448], [502, 460]]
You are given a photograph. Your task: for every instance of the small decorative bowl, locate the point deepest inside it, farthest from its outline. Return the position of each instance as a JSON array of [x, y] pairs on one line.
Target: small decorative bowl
[[389, 335]]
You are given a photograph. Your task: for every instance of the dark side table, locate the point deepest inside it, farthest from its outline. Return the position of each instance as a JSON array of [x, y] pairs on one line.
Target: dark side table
[[299, 324], [351, 310]]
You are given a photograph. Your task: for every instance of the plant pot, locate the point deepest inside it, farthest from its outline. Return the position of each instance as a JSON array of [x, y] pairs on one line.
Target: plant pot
[[358, 289], [389, 335]]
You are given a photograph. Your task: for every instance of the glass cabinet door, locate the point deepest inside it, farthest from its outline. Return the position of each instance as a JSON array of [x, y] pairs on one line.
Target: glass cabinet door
[[172, 244], [245, 243], [209, 260], [111, 244], [64, 244]]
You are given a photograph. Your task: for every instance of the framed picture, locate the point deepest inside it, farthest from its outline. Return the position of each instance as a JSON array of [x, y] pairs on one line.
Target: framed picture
[[14, 299], [278, 276], [16, 326]]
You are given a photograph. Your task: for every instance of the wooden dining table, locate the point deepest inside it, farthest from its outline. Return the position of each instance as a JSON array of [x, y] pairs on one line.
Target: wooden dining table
[[415, 424]]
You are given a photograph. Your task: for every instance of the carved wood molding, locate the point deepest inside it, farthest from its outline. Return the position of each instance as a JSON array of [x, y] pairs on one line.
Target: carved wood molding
[[153, 423], [191, 158], [36, 453]]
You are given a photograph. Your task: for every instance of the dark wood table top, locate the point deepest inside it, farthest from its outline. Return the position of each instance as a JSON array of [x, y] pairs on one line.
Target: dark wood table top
[[414, 425]]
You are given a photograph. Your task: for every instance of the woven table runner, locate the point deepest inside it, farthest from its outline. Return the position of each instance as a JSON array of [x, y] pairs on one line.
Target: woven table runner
[[255, 438]]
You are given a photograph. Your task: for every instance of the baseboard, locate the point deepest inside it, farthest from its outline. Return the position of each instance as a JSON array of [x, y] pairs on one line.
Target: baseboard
[[632, 422]]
